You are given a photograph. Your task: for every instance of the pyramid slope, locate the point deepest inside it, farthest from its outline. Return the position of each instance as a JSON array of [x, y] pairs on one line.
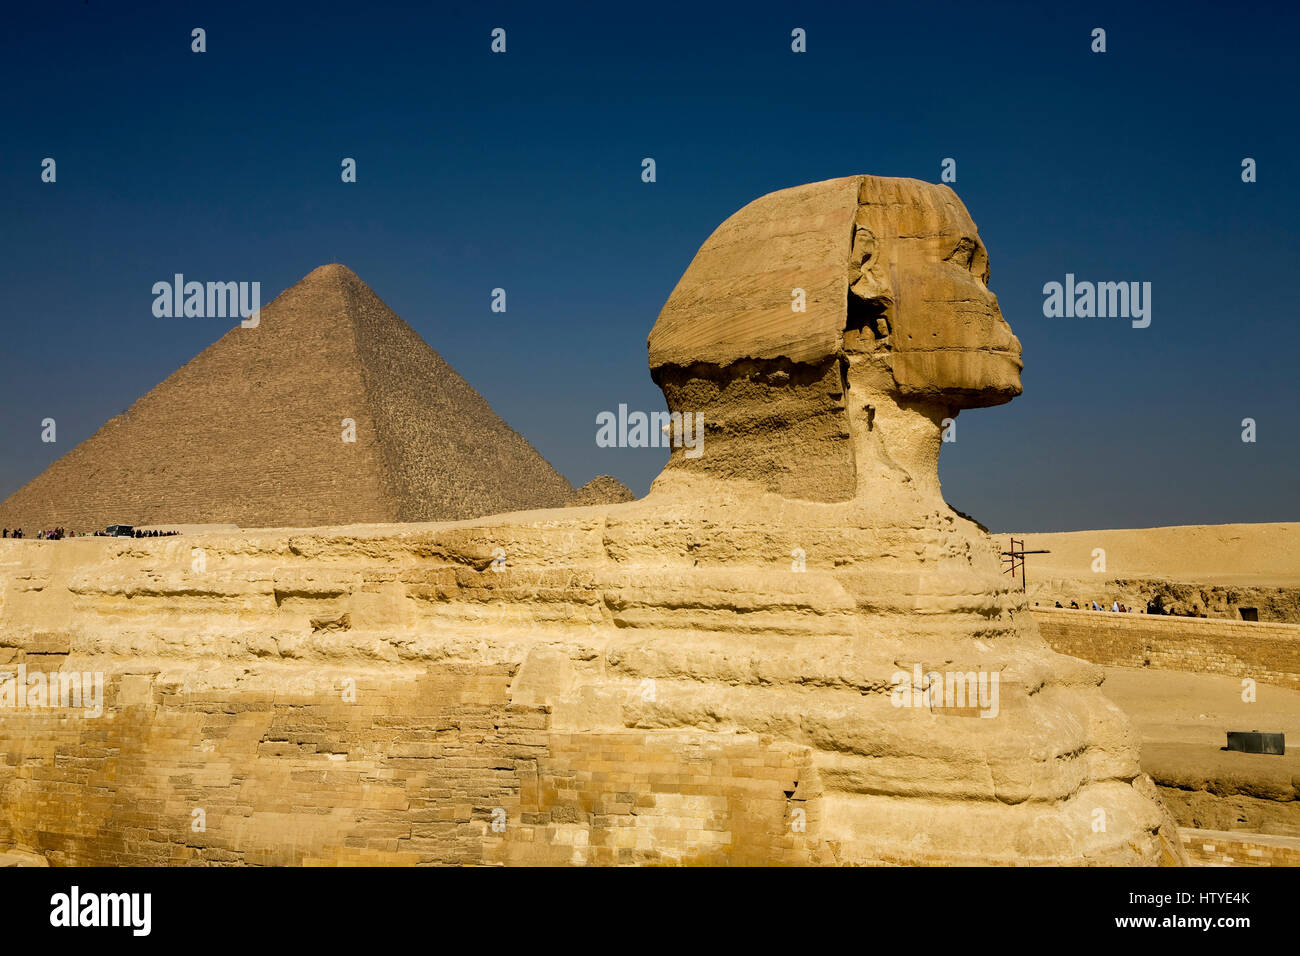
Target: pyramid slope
[[250, 432], [447, 454]]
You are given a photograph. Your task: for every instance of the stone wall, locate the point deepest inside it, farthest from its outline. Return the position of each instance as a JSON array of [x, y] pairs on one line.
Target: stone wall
[[1227, 848], [1269, 653], [435, 767]]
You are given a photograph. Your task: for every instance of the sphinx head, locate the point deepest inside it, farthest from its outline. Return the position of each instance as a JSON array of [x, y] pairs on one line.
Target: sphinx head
[[825, 329], [918, 295]]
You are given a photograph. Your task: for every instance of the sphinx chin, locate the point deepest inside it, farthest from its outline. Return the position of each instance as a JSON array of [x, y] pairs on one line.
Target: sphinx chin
[[959, 379]]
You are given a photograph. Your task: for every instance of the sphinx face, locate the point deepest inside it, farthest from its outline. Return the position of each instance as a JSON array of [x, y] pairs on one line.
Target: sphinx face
[[825, 331], [948, 340]]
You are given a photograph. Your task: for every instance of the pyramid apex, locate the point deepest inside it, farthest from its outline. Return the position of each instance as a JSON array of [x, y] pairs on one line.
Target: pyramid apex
[[331, 270]]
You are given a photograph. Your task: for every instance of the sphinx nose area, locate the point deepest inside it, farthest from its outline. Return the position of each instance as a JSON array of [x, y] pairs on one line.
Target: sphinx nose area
[[1003, 339], [1014, 344]]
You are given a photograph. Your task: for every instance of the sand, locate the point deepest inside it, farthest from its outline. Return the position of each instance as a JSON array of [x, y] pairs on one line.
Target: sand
[[1265, 554], [1182, 720]]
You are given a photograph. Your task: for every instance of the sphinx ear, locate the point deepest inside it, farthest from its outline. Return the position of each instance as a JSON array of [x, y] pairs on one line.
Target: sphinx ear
[[864, 246], [867, 279]]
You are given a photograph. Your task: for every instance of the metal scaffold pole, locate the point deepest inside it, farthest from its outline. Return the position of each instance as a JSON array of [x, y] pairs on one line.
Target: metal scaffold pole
[[1016, 557]]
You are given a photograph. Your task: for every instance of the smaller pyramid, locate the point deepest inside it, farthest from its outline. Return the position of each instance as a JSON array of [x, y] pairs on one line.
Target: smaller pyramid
[[252, 432], [601, 490]]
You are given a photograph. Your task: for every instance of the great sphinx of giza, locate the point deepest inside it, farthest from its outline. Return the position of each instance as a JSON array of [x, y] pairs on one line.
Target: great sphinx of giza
[[738, 668]]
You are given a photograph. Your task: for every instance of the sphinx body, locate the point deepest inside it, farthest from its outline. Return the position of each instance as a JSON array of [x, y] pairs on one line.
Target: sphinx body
[[723, 671]]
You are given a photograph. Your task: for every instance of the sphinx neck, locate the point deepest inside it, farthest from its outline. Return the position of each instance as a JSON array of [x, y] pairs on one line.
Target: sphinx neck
[[896, 440]]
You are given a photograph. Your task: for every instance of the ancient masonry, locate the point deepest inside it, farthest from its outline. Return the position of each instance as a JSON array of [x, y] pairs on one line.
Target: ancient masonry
[[715, 673], [252, 432], [1266, 652]]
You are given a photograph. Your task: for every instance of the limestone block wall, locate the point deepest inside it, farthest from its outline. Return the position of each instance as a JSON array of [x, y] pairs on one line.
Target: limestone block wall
[[1265, 652], [1226, 848], [248, 747], [435, 767]]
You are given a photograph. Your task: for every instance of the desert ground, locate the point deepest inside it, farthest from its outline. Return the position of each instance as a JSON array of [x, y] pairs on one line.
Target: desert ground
[[1182, 718], [1205, 570]]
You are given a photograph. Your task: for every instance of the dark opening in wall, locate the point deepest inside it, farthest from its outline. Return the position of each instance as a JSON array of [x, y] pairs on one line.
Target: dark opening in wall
[[866, 318]]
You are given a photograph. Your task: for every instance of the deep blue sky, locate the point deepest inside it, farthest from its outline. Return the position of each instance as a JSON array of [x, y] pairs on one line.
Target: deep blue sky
[[523, 171]]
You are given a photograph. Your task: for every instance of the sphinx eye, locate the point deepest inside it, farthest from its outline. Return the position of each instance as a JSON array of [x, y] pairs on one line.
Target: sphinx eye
[[969, 253], [979, 263], [963, 253]]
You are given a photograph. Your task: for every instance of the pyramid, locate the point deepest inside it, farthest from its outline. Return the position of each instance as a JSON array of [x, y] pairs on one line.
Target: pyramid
[[251, 432]]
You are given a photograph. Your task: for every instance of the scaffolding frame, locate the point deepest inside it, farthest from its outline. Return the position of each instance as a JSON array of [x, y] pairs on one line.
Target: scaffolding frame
[[1017, 560]]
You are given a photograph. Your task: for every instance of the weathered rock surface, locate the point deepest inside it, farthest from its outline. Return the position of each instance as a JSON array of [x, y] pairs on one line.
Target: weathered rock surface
[[891, 276], [711, 674]]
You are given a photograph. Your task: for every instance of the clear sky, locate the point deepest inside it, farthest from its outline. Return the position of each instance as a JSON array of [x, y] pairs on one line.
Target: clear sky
[[523, 171]]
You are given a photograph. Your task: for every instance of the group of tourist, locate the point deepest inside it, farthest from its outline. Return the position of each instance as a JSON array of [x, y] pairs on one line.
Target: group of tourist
[[50, 534], [142, 534], [55, 534], [1155, 607], [1115, 606]]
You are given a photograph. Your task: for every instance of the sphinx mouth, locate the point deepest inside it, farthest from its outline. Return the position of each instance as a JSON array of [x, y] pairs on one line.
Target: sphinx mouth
[[1013, 356]]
